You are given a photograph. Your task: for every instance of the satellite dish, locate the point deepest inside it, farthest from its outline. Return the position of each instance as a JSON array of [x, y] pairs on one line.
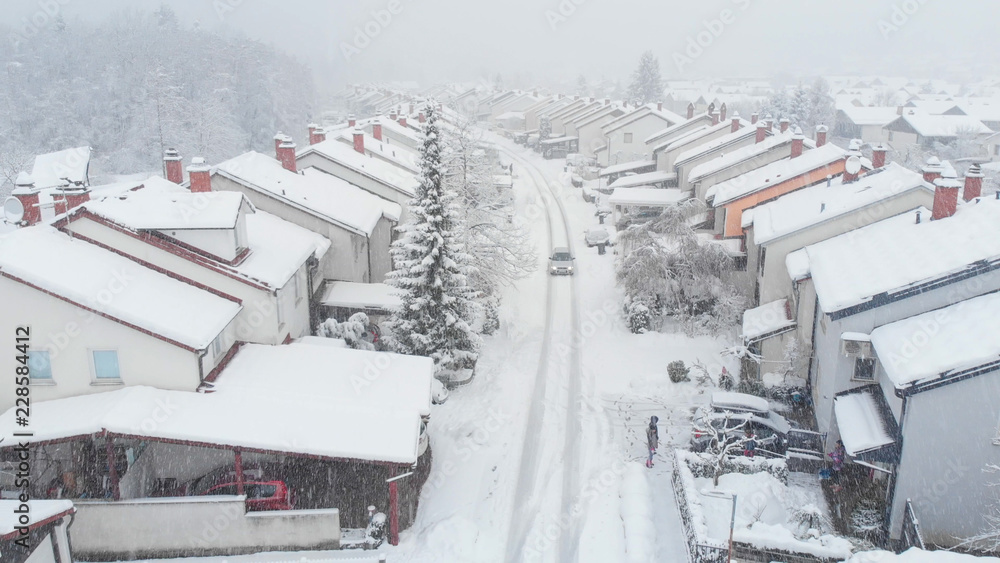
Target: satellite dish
[[13, 210], [853, 165]]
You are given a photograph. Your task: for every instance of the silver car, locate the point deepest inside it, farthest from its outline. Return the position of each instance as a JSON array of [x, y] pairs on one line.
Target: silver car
[[561, 262]]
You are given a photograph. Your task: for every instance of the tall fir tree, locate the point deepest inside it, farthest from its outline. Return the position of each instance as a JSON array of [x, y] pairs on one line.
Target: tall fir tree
[[647, 83], [431, 271]]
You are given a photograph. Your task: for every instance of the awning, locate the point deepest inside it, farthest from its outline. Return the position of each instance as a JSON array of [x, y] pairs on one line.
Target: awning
[[770, 319], [353, 295], [559, 140], [866, 425]]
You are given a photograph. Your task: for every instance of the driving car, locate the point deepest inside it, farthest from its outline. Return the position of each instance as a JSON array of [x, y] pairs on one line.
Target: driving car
[[736, 413], [261, 495], [561, 262]]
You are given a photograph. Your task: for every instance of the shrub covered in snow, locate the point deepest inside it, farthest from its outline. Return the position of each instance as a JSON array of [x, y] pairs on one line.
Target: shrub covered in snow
[[703, 465], [354, 331], [678, 372], [639, 317]]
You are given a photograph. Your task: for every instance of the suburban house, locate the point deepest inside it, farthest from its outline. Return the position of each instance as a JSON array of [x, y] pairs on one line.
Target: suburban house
[[534, 113], [516, 102], [393, 132], [560, 120], [589, 128], [611, 174], [221, 242], [114, 322], [864, 123], [141, 462], [359, 224], [45, 537], [765, 150], [685, 161], [667, 135], [801, 169], [353, 165], [808, 216], [666, 151], [626, 135], [914, 128]]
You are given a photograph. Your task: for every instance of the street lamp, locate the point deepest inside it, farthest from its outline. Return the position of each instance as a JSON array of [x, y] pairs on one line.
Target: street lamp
[[732, 521]]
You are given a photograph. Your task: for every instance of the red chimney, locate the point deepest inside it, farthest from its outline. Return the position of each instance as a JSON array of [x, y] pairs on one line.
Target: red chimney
[[753, 118], [286, 154], [359, 140], [932, 170], [722, 112], [377, 130], [174, 166], [690, 110], [659, 106], [278, 139], [820, 135], [797, 140], [392, 115], [783, 124], [715, 118], [200, 176], [25, 192], [736, 122], [973, 183], [769, 122], [761, 132], [945, 197], [422, 118], [351, 121], [878, 156], [607, 101], [402, 120], [317, 135], [70, 197]]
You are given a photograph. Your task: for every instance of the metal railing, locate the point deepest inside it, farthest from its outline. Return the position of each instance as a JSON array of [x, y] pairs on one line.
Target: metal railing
[[911, 536]]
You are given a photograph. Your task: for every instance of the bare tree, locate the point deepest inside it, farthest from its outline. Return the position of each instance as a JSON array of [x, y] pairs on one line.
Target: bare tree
[[724, 439]]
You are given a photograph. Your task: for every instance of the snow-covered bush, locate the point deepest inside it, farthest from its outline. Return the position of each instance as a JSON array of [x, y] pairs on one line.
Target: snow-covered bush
[[706, 464], [639, 317], [726, 380], [354, 331], [810, 521], [678, 372], [867, 520]]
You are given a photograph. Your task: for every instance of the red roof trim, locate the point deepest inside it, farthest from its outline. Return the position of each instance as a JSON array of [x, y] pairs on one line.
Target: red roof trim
[[214, 374], [43, 523], [100, 314]]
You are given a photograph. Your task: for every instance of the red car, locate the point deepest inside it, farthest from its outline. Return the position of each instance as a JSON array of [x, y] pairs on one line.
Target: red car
[[261, 495]]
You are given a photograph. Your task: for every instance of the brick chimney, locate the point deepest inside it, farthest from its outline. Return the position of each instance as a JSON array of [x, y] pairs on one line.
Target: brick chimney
[[820, 135], [932, 170], [769, 122], [70, 197], [722, 111], [607, 101], [359, 140], [945, 197], [783, 124], [402, 120], [659, 106], [377, 130], [200, 176], [736, 122], [24, 191], [392, 115], [286, 155], [173, 166], [753, 118], [973, 183], [316, 134], [560, 96], [797, 141], [422, 118], [715, 118], [278, 139], [878, 155], [351, 120], [690, 110], [761, 132]]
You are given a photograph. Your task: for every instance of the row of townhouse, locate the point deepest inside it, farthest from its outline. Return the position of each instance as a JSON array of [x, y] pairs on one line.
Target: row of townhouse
[[168, 324]]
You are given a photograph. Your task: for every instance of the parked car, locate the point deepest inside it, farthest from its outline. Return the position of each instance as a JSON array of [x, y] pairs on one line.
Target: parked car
[[737, 412], [561, 262], [261, 495], [597, 235]]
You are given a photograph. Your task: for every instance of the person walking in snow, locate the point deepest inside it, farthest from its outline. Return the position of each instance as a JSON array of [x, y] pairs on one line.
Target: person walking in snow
[[749, 444], [652, 439], [839, 456]]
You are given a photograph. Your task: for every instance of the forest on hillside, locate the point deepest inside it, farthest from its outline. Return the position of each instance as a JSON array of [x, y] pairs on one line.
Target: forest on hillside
[[136, 83]]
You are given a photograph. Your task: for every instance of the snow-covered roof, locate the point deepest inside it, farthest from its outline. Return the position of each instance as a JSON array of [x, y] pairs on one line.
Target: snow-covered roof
[[860, 422], [739, 155], [82, 273], [153, 210], [355, 295], [669, 131], [966, 340], [797, 264], [627, 166], [395, 154], [898, 253], [773, 174], [641, 112], [870, 115], [50, 169], [810, 206], [647, 196], [510, 115], [697, 135], [643, 179], [927, 125], [386, 173], [558, 140], [322, 194], [39, 511], [767, 319], [278, 248], [715, 144]]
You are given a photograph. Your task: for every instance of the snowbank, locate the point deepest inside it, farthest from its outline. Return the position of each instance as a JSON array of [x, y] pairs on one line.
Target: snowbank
[[637, 514], [916, 555]]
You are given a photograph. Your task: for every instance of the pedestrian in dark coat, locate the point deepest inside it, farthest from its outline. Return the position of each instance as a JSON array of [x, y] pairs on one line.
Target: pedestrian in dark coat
[[652, 439]]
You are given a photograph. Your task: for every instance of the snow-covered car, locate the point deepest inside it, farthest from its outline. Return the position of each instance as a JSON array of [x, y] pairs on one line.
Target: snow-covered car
[[439, 393], [597, 235], [561, 262], [737, 412]]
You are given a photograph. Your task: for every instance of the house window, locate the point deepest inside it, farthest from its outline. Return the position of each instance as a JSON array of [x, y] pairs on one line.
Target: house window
[[40, 367], [864, 369], [217, 346], [763, 256], [106, 368], [628, 137], [298, 287], [890, 136], [281, 315]]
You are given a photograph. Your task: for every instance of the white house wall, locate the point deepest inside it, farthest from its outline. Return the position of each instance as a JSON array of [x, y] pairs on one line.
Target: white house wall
[[320, 162], [641, 129], [773, 155], [217, 242], [69, 333], [683, 170]]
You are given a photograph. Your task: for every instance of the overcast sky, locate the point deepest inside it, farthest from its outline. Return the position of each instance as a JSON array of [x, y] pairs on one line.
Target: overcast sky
[[546, 41]]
